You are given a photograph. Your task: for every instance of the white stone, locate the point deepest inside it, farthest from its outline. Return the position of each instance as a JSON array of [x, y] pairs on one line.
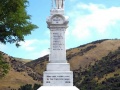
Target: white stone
[[58, 67], [58, 88], [57, 45], [57, 11], [58, 78]]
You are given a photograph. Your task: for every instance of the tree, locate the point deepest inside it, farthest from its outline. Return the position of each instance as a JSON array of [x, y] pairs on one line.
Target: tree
[[26, 87], [29, 87], [4, 67], [14, 21], [36, 86]]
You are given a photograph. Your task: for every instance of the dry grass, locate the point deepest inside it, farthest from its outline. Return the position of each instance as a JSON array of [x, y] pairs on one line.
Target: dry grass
[[24, 60], [40, 68], [15, 79], [93, 55]]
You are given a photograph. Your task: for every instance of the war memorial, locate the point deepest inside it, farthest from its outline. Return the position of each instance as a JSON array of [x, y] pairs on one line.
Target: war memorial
[[57, 75]]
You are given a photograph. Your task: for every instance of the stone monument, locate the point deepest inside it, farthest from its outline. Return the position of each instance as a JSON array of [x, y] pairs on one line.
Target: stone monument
[[57, 75]]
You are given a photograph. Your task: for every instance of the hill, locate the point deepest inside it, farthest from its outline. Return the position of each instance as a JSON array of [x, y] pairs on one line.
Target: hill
[[103, 75], [19, 74], [82, 59], [81, 56]]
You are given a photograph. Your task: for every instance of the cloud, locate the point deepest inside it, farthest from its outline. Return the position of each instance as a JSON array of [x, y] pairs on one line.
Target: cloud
[[35, 48], [33, 44], [2, 47], [93, 19], [44, 52], [37, 54], [28, 45]]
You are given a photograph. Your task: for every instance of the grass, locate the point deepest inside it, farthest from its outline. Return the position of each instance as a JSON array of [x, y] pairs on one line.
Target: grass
[[93, 55], [23, 60], [15, 79]]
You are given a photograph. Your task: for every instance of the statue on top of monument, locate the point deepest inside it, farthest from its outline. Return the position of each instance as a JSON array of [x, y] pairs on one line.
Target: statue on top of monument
[[59, 4]]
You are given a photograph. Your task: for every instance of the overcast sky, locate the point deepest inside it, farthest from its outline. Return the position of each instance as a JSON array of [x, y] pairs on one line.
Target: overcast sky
[[89, 20]]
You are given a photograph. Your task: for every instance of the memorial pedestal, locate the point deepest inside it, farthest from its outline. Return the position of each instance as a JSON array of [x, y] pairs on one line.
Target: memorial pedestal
[[58, 88], [58, 78]]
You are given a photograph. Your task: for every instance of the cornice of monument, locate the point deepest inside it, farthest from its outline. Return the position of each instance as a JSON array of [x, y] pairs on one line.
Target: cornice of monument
[[50, 25], [56, 11], [59, 13]]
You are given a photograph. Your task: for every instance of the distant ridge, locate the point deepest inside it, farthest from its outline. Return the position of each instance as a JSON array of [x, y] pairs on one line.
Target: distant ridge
[[82, 55]]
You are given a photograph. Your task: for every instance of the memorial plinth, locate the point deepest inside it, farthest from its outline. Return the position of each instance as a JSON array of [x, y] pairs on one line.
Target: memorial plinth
[[58, 88], [57, 75]]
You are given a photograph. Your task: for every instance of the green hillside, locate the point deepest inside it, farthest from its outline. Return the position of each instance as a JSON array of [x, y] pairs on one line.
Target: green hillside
[[103, 75]]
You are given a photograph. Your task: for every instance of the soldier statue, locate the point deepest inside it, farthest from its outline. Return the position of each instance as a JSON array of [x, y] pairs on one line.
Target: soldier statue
[[59, 4]]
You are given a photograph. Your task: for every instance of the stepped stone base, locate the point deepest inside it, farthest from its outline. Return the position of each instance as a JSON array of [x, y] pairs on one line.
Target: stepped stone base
[[58, 88], [58, 67]]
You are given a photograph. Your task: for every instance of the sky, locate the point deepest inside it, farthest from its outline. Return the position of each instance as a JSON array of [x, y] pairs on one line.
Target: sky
[[89, 20]]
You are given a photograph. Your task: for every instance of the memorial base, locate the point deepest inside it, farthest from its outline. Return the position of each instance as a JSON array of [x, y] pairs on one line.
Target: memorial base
[[58, 88], [58, 78]]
